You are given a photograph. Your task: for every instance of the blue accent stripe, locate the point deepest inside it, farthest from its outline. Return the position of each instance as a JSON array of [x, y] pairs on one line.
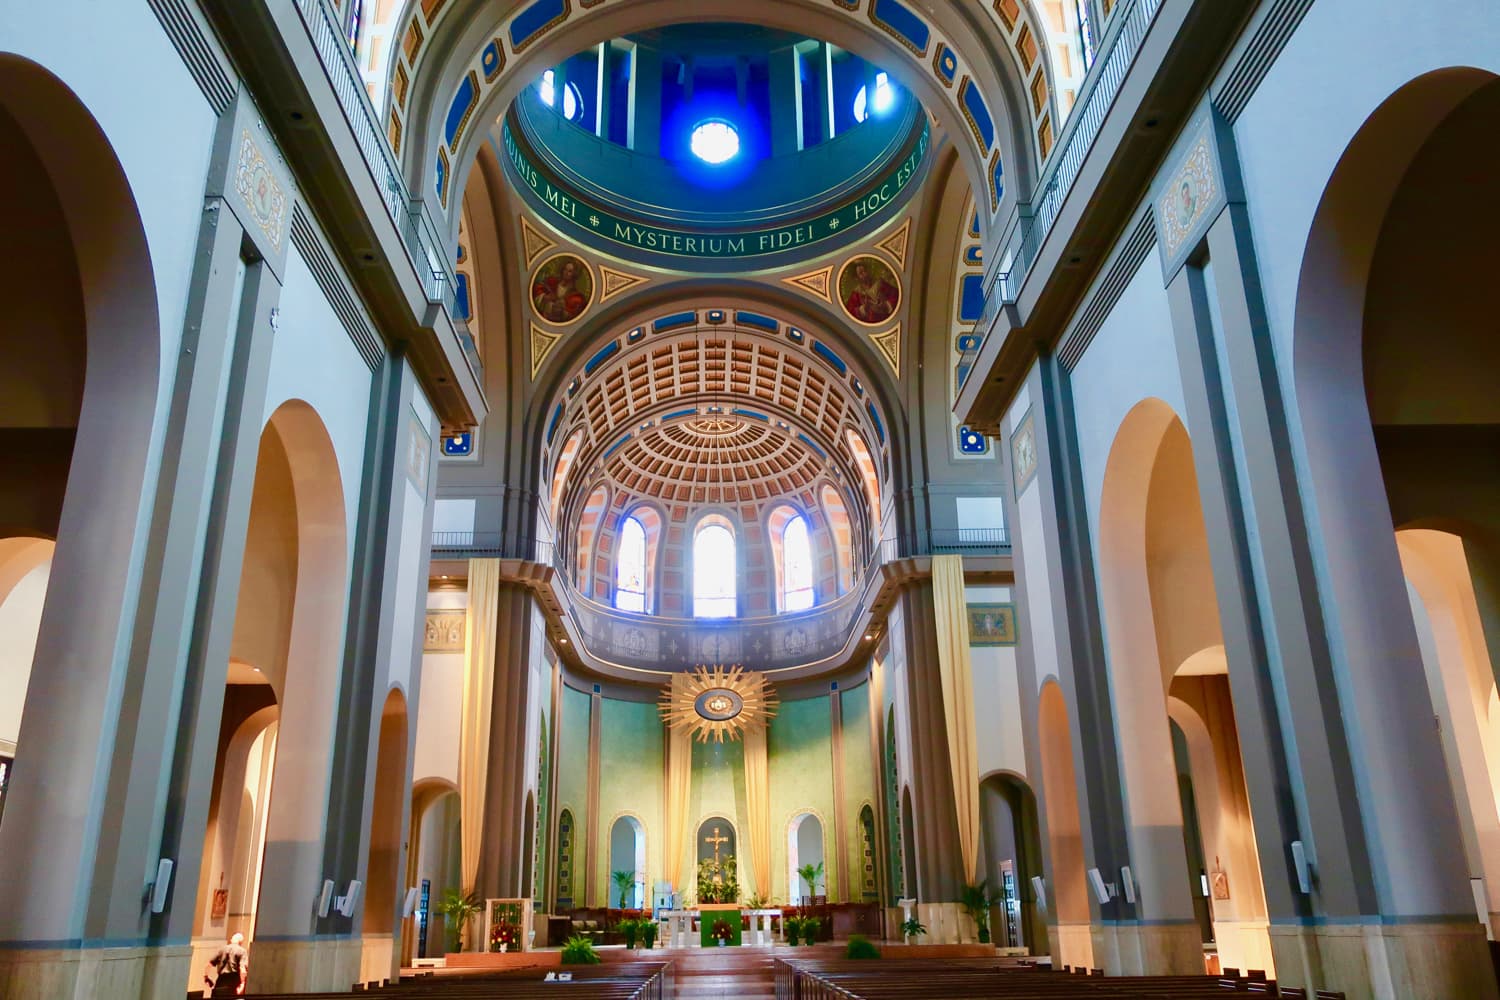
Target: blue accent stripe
[[673, 321], [464, 99], [973, 102], [756, 320], [492, 59], [825, 352], [461, 306], [902, 20], [534, 20], [680, 413], [617, 445], [812, 444], [605, 353], [751, 414], [997, 180], [971, 298], [557, 416], [879, 427]]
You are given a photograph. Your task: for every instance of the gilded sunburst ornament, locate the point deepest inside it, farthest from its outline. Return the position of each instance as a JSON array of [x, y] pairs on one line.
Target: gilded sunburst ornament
[[719, 702]]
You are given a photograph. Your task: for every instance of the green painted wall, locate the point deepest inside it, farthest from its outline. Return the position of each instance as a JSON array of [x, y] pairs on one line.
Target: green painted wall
[[859, 781], [573, 782], [800, 748], [718, 789], [631, 780]]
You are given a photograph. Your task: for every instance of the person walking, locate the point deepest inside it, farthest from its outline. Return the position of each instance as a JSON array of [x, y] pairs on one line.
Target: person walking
[[227, 970]]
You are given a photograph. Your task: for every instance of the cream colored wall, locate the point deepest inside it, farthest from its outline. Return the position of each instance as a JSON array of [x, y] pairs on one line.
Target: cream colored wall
[[440, 706], [997, 697], [20, 616]]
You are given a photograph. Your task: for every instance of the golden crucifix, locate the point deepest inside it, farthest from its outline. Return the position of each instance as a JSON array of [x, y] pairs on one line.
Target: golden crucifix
[[717, 839]]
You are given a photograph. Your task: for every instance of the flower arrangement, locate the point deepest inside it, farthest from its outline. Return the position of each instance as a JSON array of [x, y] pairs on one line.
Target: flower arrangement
[[718, 883], [722, 932], [504, 936]]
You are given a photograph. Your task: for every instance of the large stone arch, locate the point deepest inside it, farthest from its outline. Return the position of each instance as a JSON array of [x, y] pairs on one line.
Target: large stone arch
[[1371, 637], [61, 164], [452, 48], [304, 754]]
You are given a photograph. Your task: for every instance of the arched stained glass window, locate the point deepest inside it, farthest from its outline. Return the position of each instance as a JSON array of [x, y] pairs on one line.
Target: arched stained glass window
[[797, 566], [713, 570], [630, 567]]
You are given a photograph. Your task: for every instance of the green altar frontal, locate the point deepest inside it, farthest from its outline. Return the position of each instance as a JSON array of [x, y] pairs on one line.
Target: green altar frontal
[[710, 914]]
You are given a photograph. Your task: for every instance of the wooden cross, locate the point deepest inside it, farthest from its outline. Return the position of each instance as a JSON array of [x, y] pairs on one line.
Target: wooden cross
[[717, 839]]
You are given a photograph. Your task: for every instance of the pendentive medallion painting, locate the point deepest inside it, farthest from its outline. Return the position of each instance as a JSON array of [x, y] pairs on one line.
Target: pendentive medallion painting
[[869, 290], [561, 289]]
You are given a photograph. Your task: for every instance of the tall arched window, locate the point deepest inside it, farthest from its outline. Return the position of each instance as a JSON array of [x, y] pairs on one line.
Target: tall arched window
[[630, 567], [792, 559], [714, 569], [797, 564]]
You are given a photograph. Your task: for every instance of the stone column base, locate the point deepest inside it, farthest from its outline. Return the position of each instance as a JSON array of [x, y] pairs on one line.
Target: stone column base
[[1072, 944], [1415, 961], [1172, 948], [151, 973], [318, 965], [377, 961], [946, 923]]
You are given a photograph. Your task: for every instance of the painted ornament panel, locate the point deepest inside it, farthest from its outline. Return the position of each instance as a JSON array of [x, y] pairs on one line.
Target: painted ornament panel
[[869, 290], [562, 287]]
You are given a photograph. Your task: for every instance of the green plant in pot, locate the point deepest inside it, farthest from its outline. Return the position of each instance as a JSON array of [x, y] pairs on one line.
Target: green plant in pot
[[457, 909], [912, 928], [631, 929], [648, 931], [811, 874], [579, 950], [976, 901], [625, 882], [793, 927], [810, 927]]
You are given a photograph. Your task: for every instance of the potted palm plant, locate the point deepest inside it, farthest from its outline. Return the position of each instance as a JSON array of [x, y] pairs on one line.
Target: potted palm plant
[[793, 927], [625, 882], [912, 928], [811, 874], [976, 901], [457, 909]]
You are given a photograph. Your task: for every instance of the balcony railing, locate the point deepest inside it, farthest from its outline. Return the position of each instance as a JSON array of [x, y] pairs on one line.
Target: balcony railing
[[1030, 224], [419, 233], [772, 642]]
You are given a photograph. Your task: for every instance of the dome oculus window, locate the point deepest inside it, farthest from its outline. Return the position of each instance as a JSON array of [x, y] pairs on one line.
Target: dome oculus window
[[572, 98], [885, 98], [715, 141]]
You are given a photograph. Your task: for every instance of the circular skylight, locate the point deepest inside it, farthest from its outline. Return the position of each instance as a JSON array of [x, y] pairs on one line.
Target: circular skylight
[[885, 99], [715, 141]]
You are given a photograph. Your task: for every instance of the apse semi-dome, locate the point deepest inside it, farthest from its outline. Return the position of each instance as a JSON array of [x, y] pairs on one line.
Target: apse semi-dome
[[715, 147]]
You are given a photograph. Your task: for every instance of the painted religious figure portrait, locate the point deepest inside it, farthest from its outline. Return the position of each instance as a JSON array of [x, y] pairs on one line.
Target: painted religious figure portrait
[[992, 624], [869, 290], [561, 289]]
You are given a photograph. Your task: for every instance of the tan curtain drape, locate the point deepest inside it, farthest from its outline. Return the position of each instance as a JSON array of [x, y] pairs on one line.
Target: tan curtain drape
[[950, 612], [474, 724], [679, 785], [758, 807]]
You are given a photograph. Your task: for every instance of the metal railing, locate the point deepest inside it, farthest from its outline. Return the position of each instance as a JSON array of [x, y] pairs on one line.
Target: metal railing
[[1030, 224], [419, 234]]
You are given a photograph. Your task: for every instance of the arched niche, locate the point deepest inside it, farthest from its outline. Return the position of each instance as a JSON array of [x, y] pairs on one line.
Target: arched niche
[[434, 859], [804, 847], [25, 567], [627, 853], [869, 880], [384, 891], [1011, 855]]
